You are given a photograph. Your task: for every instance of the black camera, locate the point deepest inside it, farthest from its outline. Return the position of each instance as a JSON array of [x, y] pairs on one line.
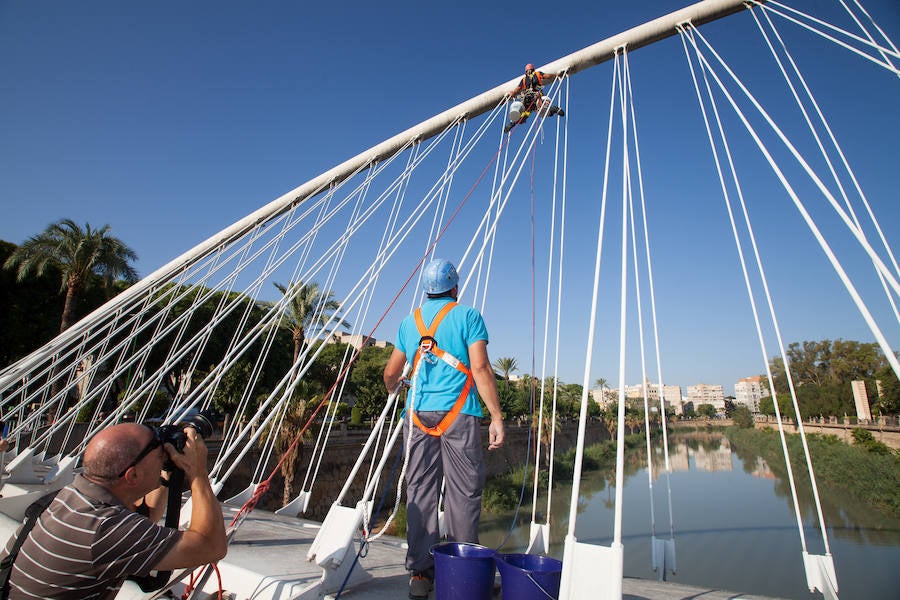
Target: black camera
[[203, 422]]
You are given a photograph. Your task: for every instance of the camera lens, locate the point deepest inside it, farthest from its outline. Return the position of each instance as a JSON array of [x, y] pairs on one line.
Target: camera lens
[[203, 422]]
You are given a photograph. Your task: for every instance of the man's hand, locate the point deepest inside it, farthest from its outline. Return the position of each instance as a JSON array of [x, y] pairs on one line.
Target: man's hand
[[193, 460], [495, 434]]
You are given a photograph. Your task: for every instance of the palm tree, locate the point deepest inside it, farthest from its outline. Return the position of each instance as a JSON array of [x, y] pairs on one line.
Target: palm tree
[[603, 384], [78, 253], [611, 420], [546, 423], [633, 421], [307, 308], [506, 365], [296, 414]]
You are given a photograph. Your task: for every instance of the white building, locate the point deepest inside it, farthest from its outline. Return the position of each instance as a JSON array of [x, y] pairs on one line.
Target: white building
[[671, 395], [355, 339], [705, 393], [747, 391]]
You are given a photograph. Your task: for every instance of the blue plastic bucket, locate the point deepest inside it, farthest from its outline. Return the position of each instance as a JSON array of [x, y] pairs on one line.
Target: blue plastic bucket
[[528, 576], [463, 571]]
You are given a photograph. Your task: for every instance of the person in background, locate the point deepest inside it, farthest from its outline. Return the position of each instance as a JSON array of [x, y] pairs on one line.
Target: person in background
[[447, 345]]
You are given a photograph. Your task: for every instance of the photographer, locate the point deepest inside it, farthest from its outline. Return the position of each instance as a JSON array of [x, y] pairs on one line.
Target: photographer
[[92, 537]]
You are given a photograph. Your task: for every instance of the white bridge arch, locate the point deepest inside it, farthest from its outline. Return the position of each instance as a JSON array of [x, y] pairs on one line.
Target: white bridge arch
[[452, 184]]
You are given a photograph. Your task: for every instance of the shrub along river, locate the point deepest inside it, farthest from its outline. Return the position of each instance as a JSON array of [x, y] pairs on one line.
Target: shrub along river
[[733, 520]]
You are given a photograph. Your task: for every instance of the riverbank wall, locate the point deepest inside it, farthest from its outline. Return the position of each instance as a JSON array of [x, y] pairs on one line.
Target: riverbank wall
[[345, 446], [887, 434], [882, 430]]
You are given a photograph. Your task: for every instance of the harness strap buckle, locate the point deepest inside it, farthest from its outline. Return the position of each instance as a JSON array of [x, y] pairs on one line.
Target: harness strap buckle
[[450, 360], [427, 343]]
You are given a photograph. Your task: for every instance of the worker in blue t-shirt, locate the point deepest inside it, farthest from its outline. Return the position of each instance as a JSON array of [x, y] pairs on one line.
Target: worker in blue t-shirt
[[447, 346]]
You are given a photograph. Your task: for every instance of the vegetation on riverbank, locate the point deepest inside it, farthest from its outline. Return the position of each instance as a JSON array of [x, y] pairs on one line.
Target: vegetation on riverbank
[[870, 477]]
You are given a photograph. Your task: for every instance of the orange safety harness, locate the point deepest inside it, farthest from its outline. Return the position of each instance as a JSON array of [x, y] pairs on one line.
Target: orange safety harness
[[428, 345], [528, 81]]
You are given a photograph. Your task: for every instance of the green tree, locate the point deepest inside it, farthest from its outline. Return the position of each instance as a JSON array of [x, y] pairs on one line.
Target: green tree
[[785, 406], [865, 439], [547, 424], [77, 254], [297, 414], [742, 417], [29, 310], [729, 406], [307, 308], [367, 380], [822, 372], [513, 400], [889, 401], [505, 365], [568, 401], [706, 410], [633, 421], [611, 418], [323, 373], [231, 386], [594, 410]]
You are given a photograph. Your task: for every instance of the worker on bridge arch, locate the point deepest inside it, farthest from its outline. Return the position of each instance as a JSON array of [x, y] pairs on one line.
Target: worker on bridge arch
[[528, 92]]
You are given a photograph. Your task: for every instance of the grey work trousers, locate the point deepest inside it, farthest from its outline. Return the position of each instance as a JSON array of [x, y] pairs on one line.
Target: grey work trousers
[[457, 457]]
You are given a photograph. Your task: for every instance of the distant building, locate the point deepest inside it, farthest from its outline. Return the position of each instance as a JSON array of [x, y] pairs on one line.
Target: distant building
[[606, 396], [671, 395], [747, 391], [861, 399], [705, 393], [358, 341]]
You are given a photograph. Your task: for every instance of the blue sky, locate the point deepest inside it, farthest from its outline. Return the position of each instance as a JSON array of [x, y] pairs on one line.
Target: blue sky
[[170, 120]]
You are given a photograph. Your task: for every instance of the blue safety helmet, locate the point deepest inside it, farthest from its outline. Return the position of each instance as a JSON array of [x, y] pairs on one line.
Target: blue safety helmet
[[439, 276]]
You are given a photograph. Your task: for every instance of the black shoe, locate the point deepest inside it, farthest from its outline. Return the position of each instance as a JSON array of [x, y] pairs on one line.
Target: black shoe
[[420, 584], [508, 127], [560, 112]]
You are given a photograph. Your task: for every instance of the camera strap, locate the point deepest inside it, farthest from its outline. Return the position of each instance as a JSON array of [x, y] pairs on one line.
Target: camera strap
[[32, 514], [151, 583]]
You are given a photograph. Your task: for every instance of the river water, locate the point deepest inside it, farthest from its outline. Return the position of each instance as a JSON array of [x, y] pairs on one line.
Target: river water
[[733, 520]]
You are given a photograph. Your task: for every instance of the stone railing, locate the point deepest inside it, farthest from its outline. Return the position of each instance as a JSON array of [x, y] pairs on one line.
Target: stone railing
[[883, 429]]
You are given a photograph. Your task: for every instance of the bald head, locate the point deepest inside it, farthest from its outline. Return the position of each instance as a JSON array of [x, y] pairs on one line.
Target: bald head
[[113, 449]]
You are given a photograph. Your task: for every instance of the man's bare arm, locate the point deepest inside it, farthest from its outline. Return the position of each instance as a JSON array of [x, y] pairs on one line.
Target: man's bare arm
[[204, 541], [486, 382], [393, 371]]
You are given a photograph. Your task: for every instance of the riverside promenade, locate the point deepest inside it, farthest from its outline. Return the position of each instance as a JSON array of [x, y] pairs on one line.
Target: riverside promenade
[[884, 429]]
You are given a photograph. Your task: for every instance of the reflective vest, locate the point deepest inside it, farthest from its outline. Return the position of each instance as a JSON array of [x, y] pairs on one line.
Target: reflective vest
[[428, 345]]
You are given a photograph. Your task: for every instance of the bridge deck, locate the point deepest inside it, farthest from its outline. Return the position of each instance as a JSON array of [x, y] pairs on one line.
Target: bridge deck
[[267, 560]]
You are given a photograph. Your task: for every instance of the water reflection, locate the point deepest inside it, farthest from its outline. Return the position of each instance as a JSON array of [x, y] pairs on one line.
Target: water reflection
[[732, 518], [702, 453]]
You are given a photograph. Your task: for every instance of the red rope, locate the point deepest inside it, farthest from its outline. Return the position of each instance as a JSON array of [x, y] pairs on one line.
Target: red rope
[[189, 587]]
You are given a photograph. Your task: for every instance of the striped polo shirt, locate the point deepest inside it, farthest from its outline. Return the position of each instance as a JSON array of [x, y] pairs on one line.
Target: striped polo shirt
[[85, 545]]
